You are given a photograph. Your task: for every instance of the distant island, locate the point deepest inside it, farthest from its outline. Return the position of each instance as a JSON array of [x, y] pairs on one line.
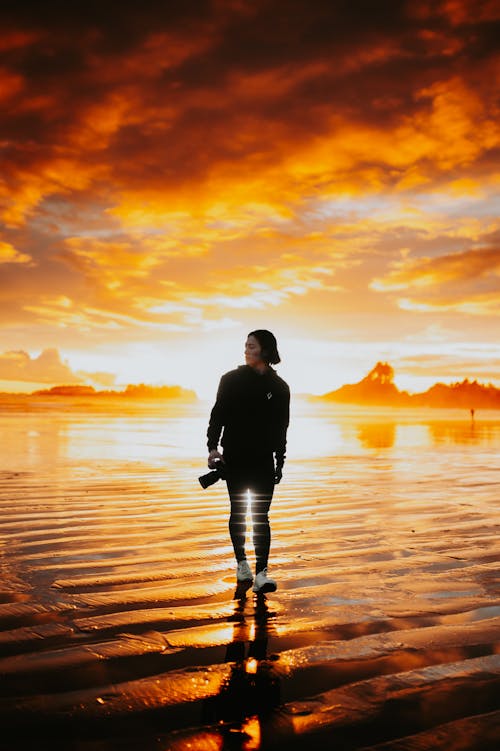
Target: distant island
[[132, 391], [378, 389]]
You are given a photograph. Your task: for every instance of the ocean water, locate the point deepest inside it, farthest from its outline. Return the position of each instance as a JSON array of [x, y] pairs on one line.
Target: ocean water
[[57, 430], [394, 451]]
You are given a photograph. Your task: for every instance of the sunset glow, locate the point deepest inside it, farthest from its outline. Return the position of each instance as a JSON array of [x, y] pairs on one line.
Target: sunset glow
[[181, 174]]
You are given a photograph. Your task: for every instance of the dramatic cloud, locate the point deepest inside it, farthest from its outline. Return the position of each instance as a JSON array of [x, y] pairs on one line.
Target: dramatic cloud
[[231, 105], [46, 368], [184, 168], [465, 281]]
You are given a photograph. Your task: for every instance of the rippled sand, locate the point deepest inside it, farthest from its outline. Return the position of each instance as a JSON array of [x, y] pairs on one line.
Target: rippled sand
[[121, 627]]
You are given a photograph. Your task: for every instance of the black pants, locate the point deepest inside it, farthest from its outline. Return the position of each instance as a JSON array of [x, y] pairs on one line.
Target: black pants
[[257, 476]]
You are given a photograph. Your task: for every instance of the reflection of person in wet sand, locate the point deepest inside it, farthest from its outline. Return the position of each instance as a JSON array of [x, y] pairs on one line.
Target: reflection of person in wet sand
[[252, 410], [253, 686]]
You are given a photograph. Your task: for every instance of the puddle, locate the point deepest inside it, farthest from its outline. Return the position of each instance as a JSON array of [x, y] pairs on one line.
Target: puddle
[[346, 601]]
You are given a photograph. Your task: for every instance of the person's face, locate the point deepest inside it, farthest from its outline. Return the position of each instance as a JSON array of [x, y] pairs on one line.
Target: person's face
[[253, 352]]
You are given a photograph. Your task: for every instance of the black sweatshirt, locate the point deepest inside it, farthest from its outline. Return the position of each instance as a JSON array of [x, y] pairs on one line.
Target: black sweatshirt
[[253, 408]]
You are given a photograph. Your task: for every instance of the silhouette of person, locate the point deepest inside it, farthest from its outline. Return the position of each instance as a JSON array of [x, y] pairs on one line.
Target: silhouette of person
[[252, 413]]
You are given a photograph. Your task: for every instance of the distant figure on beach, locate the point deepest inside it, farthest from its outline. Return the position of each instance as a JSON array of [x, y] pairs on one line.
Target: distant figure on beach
[[472, 411], [252, 412]]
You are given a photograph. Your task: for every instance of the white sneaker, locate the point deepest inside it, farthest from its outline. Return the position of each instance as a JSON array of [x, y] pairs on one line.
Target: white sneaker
[[263, 583], [244, 572]]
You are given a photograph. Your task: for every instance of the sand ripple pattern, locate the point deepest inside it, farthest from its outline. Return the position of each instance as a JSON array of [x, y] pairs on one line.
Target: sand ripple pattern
[[120, 628]]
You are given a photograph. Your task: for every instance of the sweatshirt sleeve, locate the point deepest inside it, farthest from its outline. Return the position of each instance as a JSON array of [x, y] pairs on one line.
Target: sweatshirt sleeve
[[282, 427], [217, 420]]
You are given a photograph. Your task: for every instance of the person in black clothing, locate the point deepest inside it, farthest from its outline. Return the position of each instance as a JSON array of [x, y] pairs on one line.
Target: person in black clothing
[[252, 412]]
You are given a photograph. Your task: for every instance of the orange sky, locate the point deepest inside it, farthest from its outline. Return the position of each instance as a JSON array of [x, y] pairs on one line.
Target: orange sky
[[177, 174]]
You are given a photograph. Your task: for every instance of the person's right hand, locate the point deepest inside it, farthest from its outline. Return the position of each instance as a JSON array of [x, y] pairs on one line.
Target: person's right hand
[[213, 458]]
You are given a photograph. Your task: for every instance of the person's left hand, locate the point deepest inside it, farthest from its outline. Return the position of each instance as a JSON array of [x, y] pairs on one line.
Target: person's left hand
[[278, 474]]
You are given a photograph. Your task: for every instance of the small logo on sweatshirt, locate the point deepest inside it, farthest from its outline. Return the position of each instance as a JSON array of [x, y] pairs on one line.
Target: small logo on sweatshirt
[[269, 395]]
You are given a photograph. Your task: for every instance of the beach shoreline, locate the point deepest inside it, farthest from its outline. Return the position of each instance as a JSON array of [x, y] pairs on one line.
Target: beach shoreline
[[119, 626]]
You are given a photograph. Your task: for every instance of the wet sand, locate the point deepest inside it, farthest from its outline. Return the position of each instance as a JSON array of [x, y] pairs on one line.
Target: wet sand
[[120, 624]]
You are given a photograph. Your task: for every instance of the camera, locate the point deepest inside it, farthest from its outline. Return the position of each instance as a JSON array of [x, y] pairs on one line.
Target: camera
[[212, 477]]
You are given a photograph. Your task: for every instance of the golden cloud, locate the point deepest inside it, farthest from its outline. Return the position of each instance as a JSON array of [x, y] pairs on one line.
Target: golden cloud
[[430, 272], [150, 283], [462, 282], [176, 169], [20, 366], [451, 366], [176, 125], [46, 368], [481, 304], [9, 254]]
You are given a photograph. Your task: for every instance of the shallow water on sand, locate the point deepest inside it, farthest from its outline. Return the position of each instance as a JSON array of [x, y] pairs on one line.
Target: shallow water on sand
[[117, 599]]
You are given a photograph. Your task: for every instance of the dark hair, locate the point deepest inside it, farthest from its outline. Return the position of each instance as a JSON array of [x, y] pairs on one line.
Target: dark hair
[[268, 345]]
